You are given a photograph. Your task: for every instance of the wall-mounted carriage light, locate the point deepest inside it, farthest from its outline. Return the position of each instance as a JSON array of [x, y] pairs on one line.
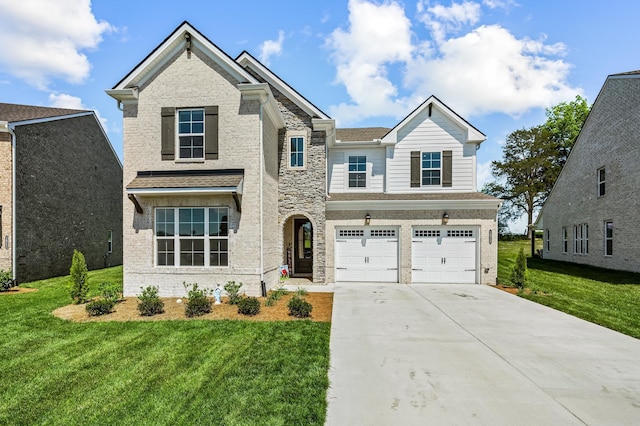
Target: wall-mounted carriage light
[[490, 236], [445, 218], [367, 219]]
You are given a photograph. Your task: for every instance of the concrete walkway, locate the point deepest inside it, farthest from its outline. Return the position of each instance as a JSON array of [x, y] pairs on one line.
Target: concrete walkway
[[472, 354]]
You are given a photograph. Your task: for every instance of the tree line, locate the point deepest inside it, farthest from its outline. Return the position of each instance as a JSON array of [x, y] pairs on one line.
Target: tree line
[[532, 159]]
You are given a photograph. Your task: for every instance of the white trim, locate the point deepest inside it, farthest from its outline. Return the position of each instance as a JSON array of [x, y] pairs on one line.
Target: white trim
[[13, 124], [304, 137], [261, 92], [186, 191], [412, 205]]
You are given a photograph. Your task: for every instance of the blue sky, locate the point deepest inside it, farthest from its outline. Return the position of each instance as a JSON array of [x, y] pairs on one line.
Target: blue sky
[[498, 63]]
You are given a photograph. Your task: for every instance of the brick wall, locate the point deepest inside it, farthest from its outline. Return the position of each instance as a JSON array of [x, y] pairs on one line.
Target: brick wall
[[5, 201]]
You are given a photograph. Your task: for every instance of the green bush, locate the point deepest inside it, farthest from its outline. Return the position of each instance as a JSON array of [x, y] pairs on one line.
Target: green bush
[[6, 280], [249, 306], [519, 271], [233, 291], [149, 303], [301, 292], [197, 303], [111, 291], [100, 307], [78, 272], [275, 295], [299, 307]]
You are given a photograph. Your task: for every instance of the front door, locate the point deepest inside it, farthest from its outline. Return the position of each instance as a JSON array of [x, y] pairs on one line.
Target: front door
[[303, 247]]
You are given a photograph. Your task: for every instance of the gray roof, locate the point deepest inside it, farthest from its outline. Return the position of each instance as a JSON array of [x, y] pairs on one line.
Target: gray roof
[[432, 196], [16, 112], [628, 73], [361, 134], [204, 179]]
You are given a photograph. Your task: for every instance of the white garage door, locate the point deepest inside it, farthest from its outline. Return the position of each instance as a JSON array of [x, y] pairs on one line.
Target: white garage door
[[444, 255], [367, 255]]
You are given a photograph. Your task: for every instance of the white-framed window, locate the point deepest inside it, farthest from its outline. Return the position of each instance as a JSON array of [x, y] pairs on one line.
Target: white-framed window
[[192, 236], [110, 242], [565, 240], [357, 171], [547, 239], [296, 152], [581, 238], [601, 179], [608, 238], [431, 164], [191, 133]]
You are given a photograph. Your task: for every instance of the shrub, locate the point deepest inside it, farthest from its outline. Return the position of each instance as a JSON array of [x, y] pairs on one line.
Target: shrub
[[299, 308], [111, 291], [100, 307], [249, 306], [275, 295], [233, 291], [6, 280], [301, 292], [197, 303], [78, 273], [149, 303], [519, 271]]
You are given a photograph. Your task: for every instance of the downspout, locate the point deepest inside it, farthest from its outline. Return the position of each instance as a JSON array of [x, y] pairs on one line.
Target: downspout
[[13, 202], [261, 153]]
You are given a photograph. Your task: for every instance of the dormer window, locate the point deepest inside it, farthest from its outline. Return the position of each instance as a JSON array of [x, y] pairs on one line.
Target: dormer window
[[191, 133], [431, 165]]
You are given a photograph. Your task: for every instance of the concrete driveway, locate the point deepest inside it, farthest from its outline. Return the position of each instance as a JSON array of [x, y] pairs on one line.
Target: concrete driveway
[[472, 354]]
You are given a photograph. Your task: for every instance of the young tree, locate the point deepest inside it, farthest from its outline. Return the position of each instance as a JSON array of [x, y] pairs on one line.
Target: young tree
[[519, 275], [78, 272], [564, 122]]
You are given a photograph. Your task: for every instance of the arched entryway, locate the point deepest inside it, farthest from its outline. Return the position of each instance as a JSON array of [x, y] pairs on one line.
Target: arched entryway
[[298, 246]]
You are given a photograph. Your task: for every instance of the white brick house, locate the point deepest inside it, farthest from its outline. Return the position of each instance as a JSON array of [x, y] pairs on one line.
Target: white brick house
[[230, 173], [591, 216]]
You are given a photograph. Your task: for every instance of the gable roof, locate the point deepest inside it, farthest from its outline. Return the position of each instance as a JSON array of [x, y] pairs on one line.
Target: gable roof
[[17, 112], [473, 135], [361, 134], [245, 59], [184, 35]]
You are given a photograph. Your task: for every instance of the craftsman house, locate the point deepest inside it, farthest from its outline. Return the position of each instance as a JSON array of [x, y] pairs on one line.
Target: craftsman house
[[591, 216], [230, 173], [60, 190]]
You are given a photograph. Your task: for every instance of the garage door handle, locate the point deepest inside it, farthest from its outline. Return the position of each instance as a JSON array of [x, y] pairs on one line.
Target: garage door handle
[[470, 241], [392, 269], [341, 268], [469, 270], [341, 241], [417, 269]]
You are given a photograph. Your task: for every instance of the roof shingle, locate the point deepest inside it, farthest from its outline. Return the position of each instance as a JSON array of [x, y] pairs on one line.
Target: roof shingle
[[16, 112]]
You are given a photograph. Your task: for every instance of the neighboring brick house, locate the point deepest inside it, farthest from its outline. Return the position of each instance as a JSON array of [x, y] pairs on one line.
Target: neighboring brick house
[[60, 190], [227, 176], [591, 216]]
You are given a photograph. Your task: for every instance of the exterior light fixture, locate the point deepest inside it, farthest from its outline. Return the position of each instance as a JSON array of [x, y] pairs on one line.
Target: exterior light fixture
[[490, 236], [367, 219], [445, 218]]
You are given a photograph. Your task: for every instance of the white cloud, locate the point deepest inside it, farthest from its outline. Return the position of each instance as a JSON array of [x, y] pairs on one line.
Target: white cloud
[[44, 39], [271, 47], [476, 69], [502, 4], [64, 100]]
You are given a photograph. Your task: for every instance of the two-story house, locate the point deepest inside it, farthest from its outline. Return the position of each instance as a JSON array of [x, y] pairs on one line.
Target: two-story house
[[591, 215], [60, 190], [230, 173]]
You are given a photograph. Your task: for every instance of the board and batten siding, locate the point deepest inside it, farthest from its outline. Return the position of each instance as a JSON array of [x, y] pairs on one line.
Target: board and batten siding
[[431, 134], [339, 169]]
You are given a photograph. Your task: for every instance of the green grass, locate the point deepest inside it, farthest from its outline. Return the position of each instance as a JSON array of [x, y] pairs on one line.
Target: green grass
[[605, 297], [155, 373]]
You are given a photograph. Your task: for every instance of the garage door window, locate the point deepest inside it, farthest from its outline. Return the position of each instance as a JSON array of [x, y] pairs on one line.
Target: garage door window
[[383, 232], [465, 233], [426, 233], [351, 233]]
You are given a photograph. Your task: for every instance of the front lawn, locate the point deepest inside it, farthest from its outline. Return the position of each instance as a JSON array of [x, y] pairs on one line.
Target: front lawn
[[605, 297], [155, 373]]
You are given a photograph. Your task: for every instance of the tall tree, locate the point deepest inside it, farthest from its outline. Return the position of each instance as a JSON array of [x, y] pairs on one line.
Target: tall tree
[[564, 122], [522, 177]]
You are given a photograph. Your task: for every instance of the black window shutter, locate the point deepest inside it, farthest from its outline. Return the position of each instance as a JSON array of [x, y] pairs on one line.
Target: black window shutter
[[447, 178], [415, 169], [211, 132], [168, 133]]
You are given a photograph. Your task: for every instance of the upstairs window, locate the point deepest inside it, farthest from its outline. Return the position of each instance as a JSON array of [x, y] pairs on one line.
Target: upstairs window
[[357, 171], [431, 165], [601, 179], [296, 152], [191, 133]]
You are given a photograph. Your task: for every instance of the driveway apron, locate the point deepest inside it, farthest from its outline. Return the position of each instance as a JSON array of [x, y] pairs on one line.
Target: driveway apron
[[472, 354]]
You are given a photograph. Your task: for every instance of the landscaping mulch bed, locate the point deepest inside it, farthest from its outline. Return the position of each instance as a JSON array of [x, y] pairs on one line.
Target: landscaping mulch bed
[[127, 310]]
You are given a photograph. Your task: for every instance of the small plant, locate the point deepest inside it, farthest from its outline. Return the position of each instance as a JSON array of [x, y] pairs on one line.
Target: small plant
[[299, 308], [111, 291], [233, 291], [275, 295], [197, 303], [249, 306], [300, 292], [6, 280], [100, 307], [149, 303], [519, 271], [78, 272]]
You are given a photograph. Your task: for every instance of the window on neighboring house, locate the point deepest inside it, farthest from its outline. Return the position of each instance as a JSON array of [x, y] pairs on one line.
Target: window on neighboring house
[[357, 171], [585, 238], [601, 179], [576, 239], [201, 238], [296, 151], [581, 238], [191, 133], [547, 241], [565, 240], [608, 238], [110, 242], [431, 165]]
